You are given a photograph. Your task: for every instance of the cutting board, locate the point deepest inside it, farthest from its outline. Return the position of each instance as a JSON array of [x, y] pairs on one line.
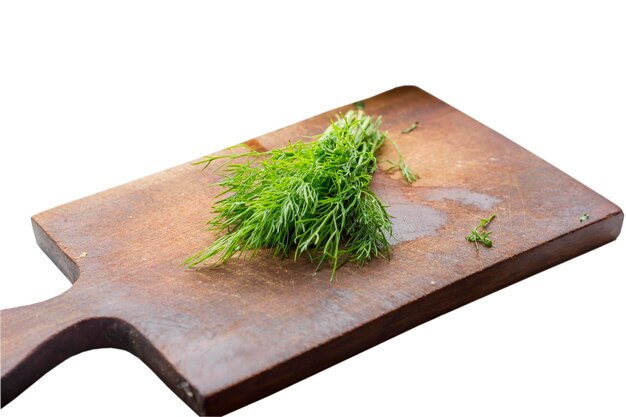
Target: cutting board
[[222, 337]]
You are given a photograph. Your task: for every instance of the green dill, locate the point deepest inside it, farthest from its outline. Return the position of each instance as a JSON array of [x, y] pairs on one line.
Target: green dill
[[410, 128], [478, 233], [305, 198], [400, 165], [584, 217], [360, 105]]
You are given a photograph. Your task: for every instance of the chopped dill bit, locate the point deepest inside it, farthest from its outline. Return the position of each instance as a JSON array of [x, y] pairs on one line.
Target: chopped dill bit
[[410, 128], [360, 105], [400, 165], [584, 217], [305, 198], [481, 236]]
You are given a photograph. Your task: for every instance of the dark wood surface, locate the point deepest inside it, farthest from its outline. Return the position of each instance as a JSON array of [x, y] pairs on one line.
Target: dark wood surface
[[223, 337]]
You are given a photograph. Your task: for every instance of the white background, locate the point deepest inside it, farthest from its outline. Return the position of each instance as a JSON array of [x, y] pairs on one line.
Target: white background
[[95, 94]]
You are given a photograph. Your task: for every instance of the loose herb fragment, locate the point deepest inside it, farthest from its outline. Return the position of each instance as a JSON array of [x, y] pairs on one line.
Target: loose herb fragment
[[407, 173], [410, 128], [360, 105], [584, 217], [312, 198], [481, 236]]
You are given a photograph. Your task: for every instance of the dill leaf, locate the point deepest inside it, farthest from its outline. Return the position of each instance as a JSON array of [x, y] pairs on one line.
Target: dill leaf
[[410, 128], [476, 235]]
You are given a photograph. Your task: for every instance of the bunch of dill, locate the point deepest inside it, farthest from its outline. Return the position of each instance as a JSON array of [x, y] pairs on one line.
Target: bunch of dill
[[311, 198]]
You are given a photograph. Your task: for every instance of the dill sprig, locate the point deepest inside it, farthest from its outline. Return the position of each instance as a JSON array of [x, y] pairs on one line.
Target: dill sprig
[[400, 165], [410, 128], [310, 198], [478, 233]]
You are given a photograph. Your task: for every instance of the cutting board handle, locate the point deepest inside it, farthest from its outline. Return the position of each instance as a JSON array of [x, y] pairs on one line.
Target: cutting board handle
[[37, 337]]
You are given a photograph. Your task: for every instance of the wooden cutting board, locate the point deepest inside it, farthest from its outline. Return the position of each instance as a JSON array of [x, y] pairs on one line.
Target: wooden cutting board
[[223, 337]]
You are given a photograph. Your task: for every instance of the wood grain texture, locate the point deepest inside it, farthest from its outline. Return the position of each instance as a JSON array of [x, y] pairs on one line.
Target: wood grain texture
[[223, 337]]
